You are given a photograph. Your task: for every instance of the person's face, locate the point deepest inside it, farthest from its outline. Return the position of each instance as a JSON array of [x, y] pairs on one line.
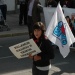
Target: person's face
[[72, 17], [37, 33], [67, 20]]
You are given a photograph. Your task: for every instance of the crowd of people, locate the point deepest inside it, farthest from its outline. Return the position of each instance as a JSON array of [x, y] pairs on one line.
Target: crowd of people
[[30, 11], [36, 32], [64, 3], [3, 8]]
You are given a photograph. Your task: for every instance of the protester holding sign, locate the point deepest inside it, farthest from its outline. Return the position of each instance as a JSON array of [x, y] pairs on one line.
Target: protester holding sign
[[41, 61]]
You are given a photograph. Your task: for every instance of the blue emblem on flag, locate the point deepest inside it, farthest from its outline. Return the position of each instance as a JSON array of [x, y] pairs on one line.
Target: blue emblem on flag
[[59, 32]]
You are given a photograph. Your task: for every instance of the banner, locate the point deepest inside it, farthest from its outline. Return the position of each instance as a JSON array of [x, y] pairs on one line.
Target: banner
[[25, 48], [49, 11]]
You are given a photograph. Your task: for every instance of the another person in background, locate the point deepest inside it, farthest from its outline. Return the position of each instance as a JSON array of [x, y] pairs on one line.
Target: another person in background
[[70, 24], [61, 2], [23, 12], [51, 3], [41, 61], [34, 11], [73, 20], [3, 8], [67, 3]]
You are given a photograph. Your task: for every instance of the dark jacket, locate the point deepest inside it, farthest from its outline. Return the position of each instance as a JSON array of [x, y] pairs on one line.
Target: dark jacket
[[53, 3], [72, 29], [46, 54], [72, 3], [36, 10], [68, 4]]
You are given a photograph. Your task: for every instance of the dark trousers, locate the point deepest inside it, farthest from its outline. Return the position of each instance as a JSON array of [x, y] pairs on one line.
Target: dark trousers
[[23, 14], [36, 71], [3, 9], [30, 25]]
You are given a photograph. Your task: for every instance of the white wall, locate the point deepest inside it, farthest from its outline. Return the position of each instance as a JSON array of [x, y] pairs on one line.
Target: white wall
[[10, 4]]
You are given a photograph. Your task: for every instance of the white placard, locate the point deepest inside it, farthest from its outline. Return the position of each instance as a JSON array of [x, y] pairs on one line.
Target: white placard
[[23, 49]]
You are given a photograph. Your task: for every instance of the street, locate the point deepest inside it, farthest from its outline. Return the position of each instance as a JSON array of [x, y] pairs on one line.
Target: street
[[10, 65], [5, 43]]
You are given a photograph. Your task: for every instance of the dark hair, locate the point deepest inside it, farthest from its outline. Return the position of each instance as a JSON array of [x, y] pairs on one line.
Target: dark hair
[[41, 26], [70, 23], [68, 18]]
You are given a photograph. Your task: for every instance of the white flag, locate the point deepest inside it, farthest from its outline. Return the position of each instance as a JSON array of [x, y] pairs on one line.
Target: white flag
[[59, 32]]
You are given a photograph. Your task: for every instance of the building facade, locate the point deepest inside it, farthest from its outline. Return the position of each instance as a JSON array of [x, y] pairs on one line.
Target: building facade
[[11, 4]]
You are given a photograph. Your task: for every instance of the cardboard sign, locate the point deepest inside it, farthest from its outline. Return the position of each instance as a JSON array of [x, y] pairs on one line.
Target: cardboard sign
[[25, 48]]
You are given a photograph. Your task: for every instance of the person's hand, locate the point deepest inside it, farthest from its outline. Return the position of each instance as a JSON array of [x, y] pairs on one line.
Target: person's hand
[[30, 56], [36, 58]]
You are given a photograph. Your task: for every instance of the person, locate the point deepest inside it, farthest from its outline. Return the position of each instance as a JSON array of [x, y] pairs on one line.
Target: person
[[34, 11], [3, 11], [51, 3], [73, 20], [3, 8], [70, 25], [23, 12], [67, 3], [41, 61]]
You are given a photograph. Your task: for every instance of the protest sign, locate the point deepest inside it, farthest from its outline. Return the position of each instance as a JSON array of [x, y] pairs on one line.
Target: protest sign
[[25, 48]]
